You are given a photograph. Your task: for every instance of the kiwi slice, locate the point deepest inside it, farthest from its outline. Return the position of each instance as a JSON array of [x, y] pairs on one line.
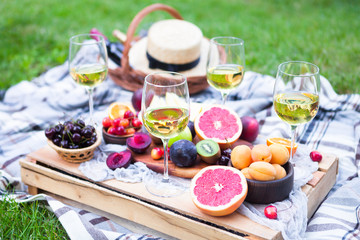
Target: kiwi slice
[[208, 150]]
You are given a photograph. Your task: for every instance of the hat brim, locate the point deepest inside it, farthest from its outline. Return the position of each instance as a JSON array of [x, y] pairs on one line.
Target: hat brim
[[139, 61]]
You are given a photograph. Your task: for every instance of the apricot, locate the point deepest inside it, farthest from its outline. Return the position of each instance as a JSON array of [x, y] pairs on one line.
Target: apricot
[[279, 154], [262, 171], [261, 152], [280, 171], [246, 173], [241, 156]]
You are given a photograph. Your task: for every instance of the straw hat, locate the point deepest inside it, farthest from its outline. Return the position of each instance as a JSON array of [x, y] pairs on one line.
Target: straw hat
[[173, 45]]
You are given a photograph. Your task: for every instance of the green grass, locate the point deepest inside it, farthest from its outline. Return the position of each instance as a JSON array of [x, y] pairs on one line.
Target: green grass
[[28, 221], [34, 34]]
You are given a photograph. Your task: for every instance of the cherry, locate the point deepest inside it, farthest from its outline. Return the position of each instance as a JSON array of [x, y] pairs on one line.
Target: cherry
[[130, 131], [116, 122], [157, 153], [129, 114], [136, 123], [106, 122], [120, 130], [270, 212], [111, 130], [315, 156], [124, 122]]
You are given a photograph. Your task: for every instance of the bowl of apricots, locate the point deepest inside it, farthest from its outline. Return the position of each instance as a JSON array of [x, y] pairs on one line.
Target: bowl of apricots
[[269, 175]]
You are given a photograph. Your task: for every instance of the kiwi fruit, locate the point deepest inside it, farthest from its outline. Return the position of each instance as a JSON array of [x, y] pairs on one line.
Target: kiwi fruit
[[208, 150]]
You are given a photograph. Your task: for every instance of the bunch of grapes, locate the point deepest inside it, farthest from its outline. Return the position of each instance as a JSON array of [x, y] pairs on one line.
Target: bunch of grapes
[[72, 134], [225, 157]]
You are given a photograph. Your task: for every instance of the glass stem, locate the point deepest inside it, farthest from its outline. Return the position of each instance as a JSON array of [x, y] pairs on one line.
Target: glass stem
[[293, 137], [166, 160], [224, 97], [91, 105]]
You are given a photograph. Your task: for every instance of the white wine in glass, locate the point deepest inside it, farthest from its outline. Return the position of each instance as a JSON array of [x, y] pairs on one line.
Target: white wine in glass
[[88, 63], [296, 94], [165, 112], [226, 64]]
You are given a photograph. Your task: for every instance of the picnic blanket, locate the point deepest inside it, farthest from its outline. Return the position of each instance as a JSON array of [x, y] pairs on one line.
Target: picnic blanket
[[27, 108]]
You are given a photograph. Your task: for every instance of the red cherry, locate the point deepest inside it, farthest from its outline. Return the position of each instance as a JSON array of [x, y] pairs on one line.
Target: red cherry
[[129, 114], [270, 212], [120, 130], [130, 131], [157, 153], [136, 123], [106, 122], [315, 156], [116, 122], [111, 130], [124, 122]]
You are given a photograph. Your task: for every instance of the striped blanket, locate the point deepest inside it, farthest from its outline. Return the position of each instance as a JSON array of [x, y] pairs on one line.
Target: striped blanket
[[27, 108]]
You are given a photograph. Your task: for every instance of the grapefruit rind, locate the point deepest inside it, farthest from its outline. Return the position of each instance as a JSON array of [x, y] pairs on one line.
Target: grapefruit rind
[[230, 206], [220, 124]]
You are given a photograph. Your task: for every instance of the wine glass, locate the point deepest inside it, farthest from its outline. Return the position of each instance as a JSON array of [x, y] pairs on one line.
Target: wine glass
[[226, 64], [296, 94], [165, 112], [88, 63]]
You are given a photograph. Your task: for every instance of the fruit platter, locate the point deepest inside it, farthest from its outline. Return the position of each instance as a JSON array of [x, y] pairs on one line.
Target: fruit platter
[[195, 156]]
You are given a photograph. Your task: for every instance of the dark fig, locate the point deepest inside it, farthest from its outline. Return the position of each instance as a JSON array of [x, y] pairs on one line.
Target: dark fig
[[139, 143], [119, 159], [183, 153]]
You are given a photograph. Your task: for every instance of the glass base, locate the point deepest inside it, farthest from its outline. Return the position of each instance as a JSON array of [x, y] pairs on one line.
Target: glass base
[[158, 186]]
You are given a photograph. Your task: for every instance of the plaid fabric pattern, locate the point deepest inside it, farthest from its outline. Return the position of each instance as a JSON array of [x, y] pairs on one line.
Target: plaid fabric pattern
[[27, 108]]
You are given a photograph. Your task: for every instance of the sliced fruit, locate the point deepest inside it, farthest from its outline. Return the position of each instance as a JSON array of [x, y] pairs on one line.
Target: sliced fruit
[[183, 153], [261, 152], [241, 157], [262, 171], [139, 143], [279, 154], [117, 110], [282, 141], [119, 159], [220, 124], [208, 150], [218, 190]]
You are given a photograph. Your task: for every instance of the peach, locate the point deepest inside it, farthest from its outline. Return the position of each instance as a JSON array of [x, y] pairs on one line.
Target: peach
[[262, 171], [280, 171], [261, 152], [279, 154], [246, 173], [241, 156]]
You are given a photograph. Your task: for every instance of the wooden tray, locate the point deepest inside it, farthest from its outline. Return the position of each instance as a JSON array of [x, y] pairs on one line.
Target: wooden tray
[[188, 172], [43, 170]]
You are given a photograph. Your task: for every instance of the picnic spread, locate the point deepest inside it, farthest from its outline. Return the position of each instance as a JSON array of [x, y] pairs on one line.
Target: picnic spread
[[323, 202]]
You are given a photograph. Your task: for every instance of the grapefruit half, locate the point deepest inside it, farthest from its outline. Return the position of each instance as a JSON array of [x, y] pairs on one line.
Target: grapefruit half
[[218, 190], [220, 124]]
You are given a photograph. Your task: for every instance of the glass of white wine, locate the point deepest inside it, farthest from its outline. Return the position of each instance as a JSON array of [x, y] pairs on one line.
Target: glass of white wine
[[226, 64], [165, 112], [296, 94], [88, 63]]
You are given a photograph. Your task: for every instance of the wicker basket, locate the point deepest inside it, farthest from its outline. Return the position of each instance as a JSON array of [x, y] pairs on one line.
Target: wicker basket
[[132, 79], [76, 155]]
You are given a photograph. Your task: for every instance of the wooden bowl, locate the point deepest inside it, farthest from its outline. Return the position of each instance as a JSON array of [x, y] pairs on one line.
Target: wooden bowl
[[265, 192], [115, 139], [76, 155]]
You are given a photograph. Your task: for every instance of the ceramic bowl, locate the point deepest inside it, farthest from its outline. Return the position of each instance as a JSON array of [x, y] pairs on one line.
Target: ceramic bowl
[[265, 192], [115, 139]]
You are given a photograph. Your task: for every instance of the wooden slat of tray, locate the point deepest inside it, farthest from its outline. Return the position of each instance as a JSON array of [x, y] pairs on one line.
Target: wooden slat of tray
[[177, 216]]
